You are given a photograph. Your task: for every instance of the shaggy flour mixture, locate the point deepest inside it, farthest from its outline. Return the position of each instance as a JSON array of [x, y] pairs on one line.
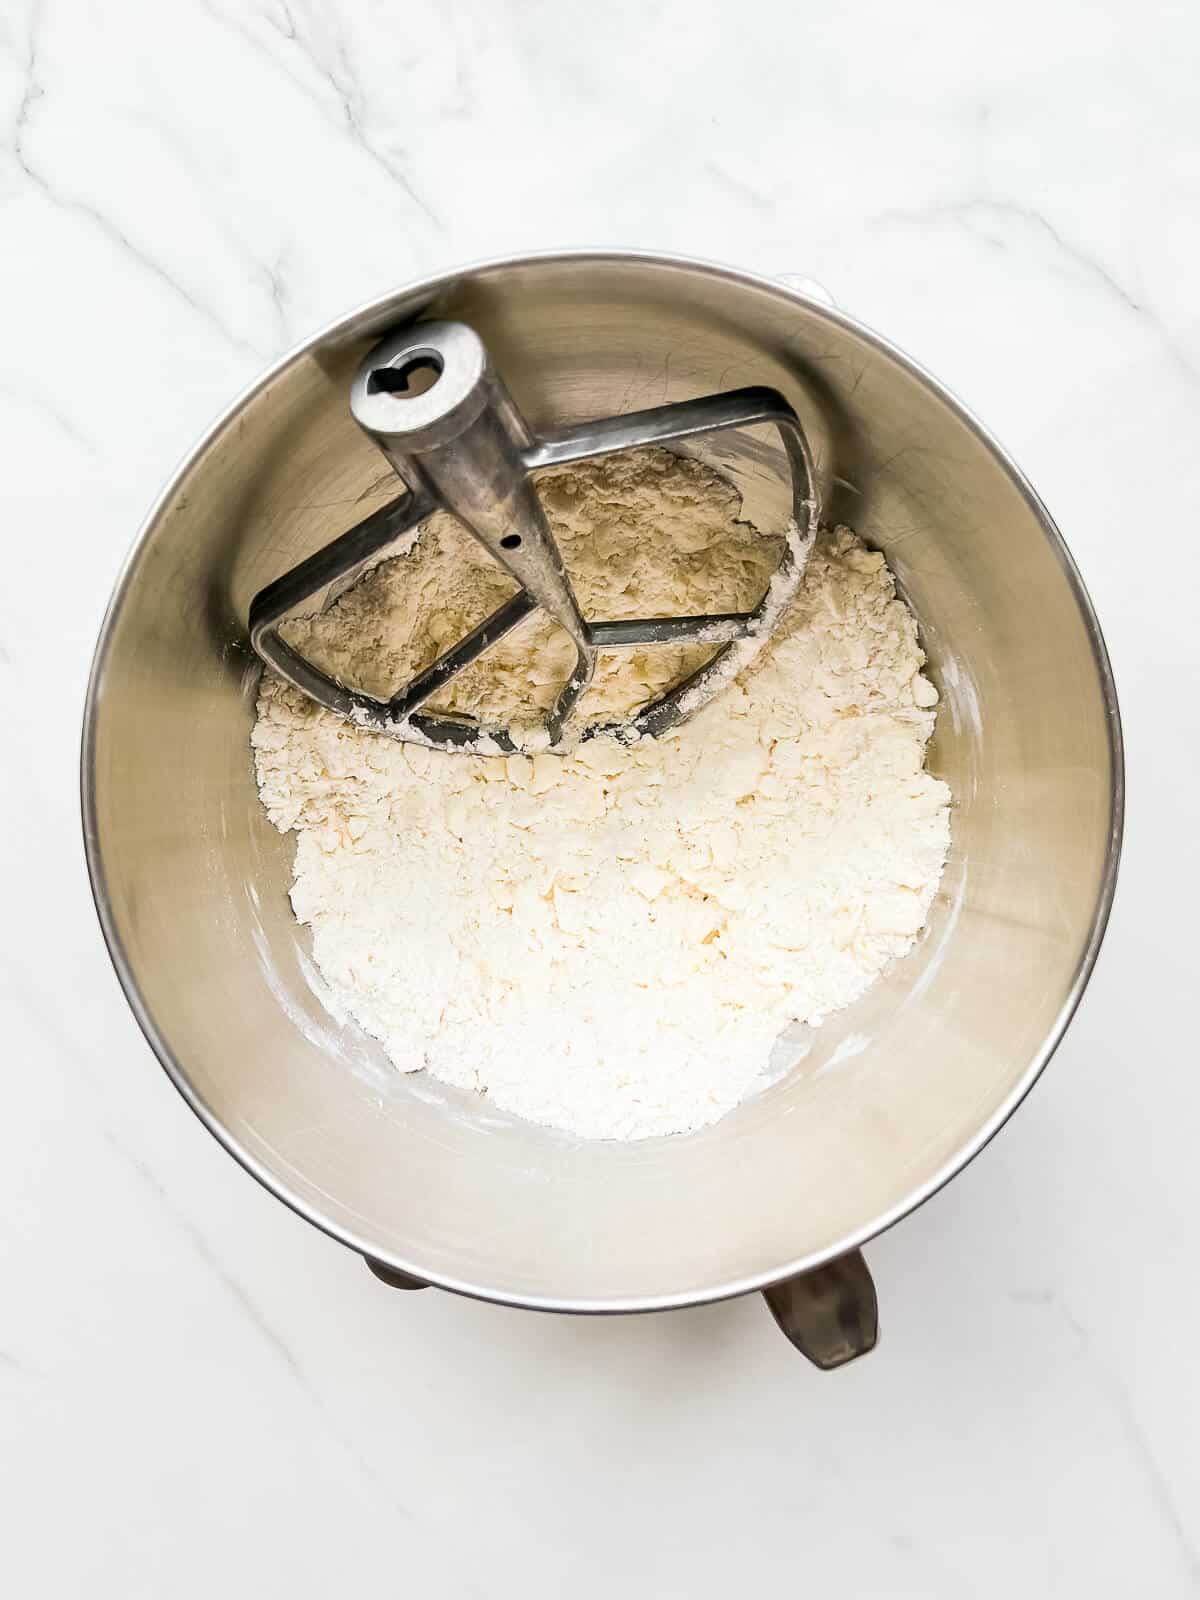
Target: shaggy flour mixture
[[611, 941]]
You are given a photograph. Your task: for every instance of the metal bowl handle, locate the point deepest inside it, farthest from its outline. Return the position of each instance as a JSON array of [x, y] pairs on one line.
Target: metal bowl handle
[[830, 1314]]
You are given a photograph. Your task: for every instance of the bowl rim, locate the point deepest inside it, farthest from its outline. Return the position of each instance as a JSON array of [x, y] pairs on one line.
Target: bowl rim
[[370, 313]]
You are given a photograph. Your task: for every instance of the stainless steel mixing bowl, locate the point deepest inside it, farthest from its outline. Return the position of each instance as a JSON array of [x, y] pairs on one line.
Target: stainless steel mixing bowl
[[890, 1098]]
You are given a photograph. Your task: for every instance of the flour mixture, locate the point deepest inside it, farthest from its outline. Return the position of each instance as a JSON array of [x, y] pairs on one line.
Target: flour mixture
[[611, 941]]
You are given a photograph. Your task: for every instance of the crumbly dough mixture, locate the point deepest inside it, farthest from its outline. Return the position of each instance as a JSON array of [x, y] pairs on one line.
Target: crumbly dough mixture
[[611, 941], [644, 533]]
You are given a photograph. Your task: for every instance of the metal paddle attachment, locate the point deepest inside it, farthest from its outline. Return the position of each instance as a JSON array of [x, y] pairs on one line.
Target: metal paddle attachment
[[432, 402]]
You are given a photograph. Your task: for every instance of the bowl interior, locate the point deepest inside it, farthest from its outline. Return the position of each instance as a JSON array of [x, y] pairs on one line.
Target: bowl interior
[[890, 1096]]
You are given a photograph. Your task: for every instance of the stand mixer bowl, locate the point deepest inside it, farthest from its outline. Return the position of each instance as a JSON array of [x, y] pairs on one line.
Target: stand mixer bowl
[[891, 1097]]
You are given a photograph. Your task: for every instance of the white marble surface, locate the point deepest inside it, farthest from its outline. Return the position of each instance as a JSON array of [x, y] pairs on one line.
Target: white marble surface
[[198, 1393]]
